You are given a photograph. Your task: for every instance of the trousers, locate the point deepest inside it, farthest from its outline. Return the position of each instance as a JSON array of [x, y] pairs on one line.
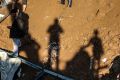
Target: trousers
[[16, 45]]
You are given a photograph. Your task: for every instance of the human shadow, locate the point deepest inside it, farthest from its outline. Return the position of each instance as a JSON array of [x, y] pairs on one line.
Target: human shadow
[[83, 65], [78, 67], [31, 48], [97, 51], [54, 43]]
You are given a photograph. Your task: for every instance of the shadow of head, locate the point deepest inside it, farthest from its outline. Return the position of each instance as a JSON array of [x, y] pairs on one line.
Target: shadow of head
[[96, 32]]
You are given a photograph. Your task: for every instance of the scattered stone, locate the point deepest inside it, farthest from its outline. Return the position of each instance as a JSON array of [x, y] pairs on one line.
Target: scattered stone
[[104, 60], [97, 12], [46, 17]]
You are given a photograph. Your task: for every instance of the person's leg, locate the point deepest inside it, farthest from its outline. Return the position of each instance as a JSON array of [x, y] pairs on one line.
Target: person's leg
[[16, 45], [69, 3], [62, 2]]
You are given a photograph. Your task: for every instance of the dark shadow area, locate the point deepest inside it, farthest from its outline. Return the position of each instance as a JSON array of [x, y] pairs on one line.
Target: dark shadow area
[[86, 67], [79, 65], [54, 43], [31, 48]]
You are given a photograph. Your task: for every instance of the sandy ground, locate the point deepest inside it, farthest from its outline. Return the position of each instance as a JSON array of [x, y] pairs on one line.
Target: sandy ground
[[89, 29]]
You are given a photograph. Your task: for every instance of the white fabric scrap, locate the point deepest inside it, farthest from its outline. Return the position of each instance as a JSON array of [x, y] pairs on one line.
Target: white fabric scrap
[[8, 66], [1, 15]]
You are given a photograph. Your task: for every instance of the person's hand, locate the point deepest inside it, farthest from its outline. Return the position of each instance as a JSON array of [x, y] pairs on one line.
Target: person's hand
[[24, 8]]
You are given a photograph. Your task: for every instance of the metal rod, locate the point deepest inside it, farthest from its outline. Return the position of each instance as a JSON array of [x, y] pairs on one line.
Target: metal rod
[[40, 74], [41, 68], [4, 18], [45, 70], [30, 64]]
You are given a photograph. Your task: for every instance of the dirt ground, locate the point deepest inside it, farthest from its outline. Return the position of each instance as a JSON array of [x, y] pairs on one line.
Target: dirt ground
[[90, 29]]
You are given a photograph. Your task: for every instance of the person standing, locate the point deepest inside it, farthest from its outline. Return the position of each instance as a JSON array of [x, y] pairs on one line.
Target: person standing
[[69, 3], [16, 31]]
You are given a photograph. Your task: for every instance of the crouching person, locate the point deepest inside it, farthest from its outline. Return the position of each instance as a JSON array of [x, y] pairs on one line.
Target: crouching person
[[115, 68]]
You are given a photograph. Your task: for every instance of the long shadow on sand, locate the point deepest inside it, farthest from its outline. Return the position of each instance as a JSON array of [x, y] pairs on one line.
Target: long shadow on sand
[[54, 43], [86, 67]]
